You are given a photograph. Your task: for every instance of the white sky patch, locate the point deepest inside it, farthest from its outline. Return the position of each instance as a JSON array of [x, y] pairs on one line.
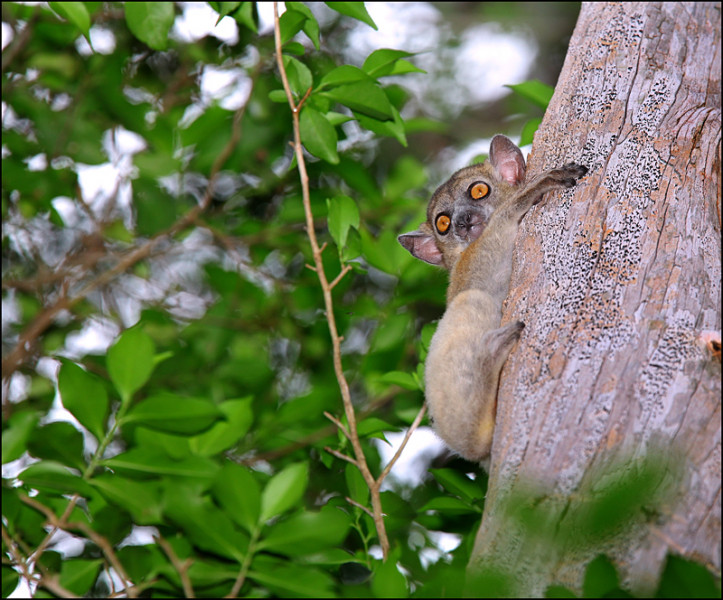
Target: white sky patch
[[199, 20], [412, 465], [103, 42], [463, 71], [410, 26], [7, 35], [95, 337], [266, 16], [232, 87], [489, 58], [39, 162]]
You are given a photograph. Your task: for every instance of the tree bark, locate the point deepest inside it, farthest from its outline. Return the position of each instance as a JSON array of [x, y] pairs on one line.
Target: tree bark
[[618, 282]]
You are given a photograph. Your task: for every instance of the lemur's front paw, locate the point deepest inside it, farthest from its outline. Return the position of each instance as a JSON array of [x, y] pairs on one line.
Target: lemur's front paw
[[571, 172]]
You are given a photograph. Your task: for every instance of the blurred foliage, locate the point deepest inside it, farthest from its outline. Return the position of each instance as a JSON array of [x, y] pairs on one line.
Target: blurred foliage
[[204, 420]]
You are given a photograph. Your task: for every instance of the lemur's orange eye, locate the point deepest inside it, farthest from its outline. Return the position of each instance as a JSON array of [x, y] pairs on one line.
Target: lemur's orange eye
[[479, 190], [443, 223]]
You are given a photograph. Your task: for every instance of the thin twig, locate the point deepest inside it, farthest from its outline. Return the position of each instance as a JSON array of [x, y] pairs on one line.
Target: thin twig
[[337, 422], [45, 579], [96, 538], [355, 503], [319, 434], [337, 279], [341, 455], [246, 565], [181, 567], [64, 517], [398, 453], [328, 303]]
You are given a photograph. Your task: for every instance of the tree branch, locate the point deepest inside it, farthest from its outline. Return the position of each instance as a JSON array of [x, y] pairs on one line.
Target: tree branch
[[352, 434], [45, 319]]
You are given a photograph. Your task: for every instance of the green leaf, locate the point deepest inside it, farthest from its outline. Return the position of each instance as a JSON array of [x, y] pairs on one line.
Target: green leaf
[[308, 532], [449, 505], [76, 13], [284, 490], [57, 441], [298, 74], [343, 214], [364, 97], [84, 396], [290, 23], [393, 129], [224, 9], [278, 96], [601, 578], [371, 426], [344, 75], [318, 135], [225, 434], [383, 252], [150, 22], [683, 578], [329, 557], [457, 484], [174, 446], [358, 488], [20, 427], [427, 334], [528, 131], [10, 580], [559, 591], [353, 248], [535, 91], [291, 581], [174, 414], [142, 500], [156, 164], [392, 332], [415, 125], [237, 490], [246, 15], [78, 575], [381, 62], [401, 379], [130, 362], [402, 67], [388, 582], [356, 10], [407, 174], [336, 118], [294, 48], [310, 25], [206, 526], [205, 572], [144, 462], [54, 478]]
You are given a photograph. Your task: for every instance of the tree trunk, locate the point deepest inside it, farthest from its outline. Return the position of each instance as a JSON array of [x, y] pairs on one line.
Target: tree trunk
[[619, 285]]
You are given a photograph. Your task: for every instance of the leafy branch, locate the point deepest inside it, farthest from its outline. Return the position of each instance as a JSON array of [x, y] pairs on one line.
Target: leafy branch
[[27, 340], [374, 484]]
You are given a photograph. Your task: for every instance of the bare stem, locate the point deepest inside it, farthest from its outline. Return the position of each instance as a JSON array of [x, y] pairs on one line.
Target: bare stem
[[415, 424], [97, 539], [338, 423], [341, 455], [181, 567], [326, 289]]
